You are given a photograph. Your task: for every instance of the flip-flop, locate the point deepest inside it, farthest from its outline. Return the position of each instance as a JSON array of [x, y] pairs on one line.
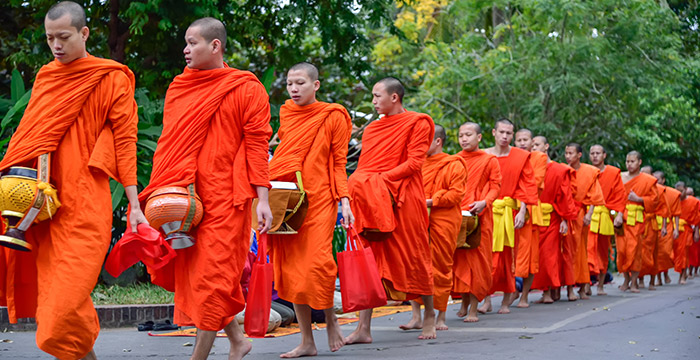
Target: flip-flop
[[166, 325], [148, 325]]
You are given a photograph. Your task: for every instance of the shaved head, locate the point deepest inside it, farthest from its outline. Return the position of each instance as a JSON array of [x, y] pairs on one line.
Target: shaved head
[[75, 11], [635, 154], [646, 169], [308, 68], [523, 132], [602, 149], [690, 191], [660, 177], [541, 139], [577, 146], [503, 121], [476, 127], [211, 29], [393, 86], [440, 133]]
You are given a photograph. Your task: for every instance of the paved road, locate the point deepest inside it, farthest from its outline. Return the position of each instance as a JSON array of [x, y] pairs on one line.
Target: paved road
[[663, 324]]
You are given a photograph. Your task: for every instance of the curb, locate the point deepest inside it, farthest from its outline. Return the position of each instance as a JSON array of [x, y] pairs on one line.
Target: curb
[[111, 316]]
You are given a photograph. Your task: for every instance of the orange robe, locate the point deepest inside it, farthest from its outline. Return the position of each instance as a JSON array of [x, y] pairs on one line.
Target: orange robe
[[615, 200], [445, 182], [664, 260], [557, 194], [527, 252], [83, 113], [587, 192], [215, 133], [314, 140], [690, 216], [519, 184], [629, 246], [472, 267], [650, 239], [393, 152]]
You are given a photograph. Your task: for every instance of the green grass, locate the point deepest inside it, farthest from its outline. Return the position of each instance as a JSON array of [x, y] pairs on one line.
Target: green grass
[[144, 293]]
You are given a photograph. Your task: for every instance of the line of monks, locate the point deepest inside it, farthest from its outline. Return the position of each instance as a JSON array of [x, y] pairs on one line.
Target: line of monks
[[548, 223]]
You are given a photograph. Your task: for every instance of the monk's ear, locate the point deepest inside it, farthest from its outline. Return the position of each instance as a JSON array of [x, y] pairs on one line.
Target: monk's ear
[[317, 85], [85, 33], [478, 137], [216, 46]]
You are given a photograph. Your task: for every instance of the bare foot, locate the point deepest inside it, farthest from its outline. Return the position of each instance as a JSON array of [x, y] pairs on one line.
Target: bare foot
[[300, 351], [462, 310], [239, 349], [471, 319], [652, 287], [681, 281], [440, 325], [572, 297], [601, 292], [504, 310], [634, 290], [667, 279], [335, 338], [583, 295], [358, 337], [483, 309], [428, 329], [523, 304], [413, 324], [623, 287]]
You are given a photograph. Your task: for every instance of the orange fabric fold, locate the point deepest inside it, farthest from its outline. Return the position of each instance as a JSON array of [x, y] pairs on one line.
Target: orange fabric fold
[[652, 236], [314, 140], [690, 212], [393, 151], [664, 260], [472, 267], [84, 113], [445, 182], [615, 200], [528, 247], [215, 135], [629, 246]]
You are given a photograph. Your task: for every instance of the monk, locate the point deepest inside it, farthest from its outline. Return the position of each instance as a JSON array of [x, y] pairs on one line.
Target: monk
[[605, 218], [587, 194], [653, 231], [388, 197], [688, 227], [472, 267], [558, 210], [693, 247], [445, 183], [91, 137], [528, 247], [642, 196], [314, 139], [215, 136], [669, 228], [517, 191]]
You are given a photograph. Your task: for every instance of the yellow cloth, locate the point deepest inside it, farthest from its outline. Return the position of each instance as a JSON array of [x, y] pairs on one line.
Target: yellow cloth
[[503, 224], [635, 214], [601, 221], [660, 221], [681, 224], [542, 214]]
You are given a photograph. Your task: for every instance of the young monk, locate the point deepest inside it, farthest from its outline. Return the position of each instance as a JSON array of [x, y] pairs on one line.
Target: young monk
[[445, 183], [605, 218], [91, 137], [472, 267], [688, 227], [653, 231], [587, 193], [528, 247], [642, 196], [215, 136], [693, 250], [669, 228], [314, 139], [387, 195], [517, 191], [558, 210]]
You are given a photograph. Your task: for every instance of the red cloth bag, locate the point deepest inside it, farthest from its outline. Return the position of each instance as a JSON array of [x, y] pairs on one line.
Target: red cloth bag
[[360, 285], [147, 246], [259, 301]]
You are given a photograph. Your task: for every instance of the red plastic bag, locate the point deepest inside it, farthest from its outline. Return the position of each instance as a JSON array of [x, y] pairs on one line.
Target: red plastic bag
[[257, 311], [360, 285]]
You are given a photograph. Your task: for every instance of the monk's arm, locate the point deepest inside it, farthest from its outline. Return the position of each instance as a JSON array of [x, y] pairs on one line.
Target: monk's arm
[[453, 195], [564, 202], [527, 189], [123, 115], [494, 182], [256, 132], [340, 137], [650, 199], [416, 151]]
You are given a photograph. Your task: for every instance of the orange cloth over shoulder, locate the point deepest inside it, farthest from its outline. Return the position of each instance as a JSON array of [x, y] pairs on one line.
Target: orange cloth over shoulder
[[557, 193], [472, 267], [629, 246], [445, 183], [393, 151], [615, 200], [690, 215], [672, 198], [652, 235], [85, 115], [215, 133], [527, 251], [314, 140], [587, 192]]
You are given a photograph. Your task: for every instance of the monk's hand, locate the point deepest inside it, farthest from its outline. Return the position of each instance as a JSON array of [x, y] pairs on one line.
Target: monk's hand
[[136, 216], [618, 220], [664, 231], [634, 197], [588, 216], [429, 202], [520, 219], [675, 234], [348, 217], [263, 210], [563, 227], [477, 207]]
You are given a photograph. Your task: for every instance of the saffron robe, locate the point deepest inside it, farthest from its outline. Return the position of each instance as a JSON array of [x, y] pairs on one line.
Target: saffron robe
[[650, 239], [528, 247], [629, 249], [472, 267], [557, 194], [393, 151], [445, 182], [518, 184], [587, 192], [215, 135], [84, 114], [314, 140], [690, 216], [664, 260], [615, 200]]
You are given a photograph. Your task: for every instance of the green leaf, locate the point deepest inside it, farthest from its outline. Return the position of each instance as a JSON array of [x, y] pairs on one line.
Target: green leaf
[[16, 110], [117, 195], [148, 144], [268, 78], [151, 131], [16, 86]]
